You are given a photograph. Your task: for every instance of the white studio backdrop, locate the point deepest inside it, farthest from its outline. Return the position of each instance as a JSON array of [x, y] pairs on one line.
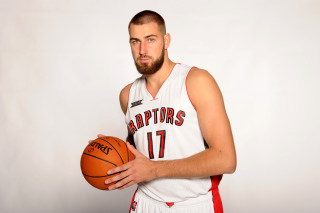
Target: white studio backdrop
[[63, 64]]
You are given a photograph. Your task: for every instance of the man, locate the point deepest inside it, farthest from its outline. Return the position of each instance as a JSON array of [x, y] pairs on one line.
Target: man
[[179, 131]]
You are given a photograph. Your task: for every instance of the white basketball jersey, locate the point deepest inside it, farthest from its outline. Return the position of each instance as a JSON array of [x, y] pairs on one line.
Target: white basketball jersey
[[166, 127]]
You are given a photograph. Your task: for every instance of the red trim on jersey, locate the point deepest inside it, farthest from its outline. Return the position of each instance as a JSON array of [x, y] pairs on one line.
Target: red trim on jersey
[[153, 98], [187, 89], [132, 200], [145, 83], [217, 203]]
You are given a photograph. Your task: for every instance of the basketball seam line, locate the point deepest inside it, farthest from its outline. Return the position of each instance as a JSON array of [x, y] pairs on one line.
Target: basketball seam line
[[114, 149], [100, 159]]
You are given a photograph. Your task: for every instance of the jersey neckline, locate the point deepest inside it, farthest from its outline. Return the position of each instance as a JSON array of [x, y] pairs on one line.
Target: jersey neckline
[[162, 86]]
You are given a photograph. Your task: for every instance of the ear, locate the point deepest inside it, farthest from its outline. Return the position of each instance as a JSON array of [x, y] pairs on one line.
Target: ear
[[167, 40]]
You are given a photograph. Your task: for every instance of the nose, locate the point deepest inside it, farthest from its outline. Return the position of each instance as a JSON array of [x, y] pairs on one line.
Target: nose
[[143, 48]]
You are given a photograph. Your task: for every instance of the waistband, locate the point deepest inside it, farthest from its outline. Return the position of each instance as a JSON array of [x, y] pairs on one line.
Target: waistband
[[191, 201]]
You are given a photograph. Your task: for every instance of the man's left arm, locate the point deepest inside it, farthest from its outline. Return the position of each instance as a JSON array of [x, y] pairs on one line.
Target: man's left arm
[[220, 157]]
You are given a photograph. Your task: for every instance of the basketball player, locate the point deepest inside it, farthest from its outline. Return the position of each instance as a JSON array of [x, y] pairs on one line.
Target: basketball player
[[179, 131]]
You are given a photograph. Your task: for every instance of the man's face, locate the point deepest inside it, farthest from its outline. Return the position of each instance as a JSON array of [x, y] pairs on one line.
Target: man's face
[[147, 46]]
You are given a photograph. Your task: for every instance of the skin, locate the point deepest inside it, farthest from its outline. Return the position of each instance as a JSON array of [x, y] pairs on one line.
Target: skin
[[206, 97]]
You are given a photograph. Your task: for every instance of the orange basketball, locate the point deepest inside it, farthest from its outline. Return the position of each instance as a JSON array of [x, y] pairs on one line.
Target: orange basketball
[[100, 156]]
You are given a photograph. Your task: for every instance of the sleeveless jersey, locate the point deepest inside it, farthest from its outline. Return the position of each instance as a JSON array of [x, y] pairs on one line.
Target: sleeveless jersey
[[166, 127]]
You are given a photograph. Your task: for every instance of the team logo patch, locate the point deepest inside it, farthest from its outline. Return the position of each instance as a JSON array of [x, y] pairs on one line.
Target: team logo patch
[[134, 205], [136, 103]]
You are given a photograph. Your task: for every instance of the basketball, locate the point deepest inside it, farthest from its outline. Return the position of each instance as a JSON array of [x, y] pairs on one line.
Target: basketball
[[101, 155]]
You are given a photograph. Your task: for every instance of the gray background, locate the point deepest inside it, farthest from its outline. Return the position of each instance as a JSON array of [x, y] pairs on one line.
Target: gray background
[[63, 64]]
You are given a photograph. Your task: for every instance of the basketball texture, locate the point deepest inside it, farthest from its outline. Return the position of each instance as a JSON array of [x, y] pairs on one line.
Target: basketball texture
[[100, 156]]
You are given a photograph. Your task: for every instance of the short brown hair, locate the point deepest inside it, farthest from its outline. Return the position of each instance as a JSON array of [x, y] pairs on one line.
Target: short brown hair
[[147, 16]]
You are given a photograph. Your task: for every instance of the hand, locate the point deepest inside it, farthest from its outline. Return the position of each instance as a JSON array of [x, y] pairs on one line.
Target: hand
[[99, 136], [136, 171]]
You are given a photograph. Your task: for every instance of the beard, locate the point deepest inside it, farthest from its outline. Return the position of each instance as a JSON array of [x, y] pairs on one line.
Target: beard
[[149, 69]]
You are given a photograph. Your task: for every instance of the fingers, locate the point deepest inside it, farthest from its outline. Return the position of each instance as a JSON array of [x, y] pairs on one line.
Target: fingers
[[119, 169], [121, 176], [122, 181], [127, 185], [101, 136]]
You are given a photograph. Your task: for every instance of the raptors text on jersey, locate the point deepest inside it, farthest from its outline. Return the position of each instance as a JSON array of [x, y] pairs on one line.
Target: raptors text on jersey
[[156, 115]]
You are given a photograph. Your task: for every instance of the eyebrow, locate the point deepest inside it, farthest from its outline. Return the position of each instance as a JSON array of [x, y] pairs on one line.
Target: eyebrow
[[148, 36]]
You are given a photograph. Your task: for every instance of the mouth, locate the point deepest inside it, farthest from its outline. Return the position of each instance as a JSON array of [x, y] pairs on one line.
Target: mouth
[[144, 60]]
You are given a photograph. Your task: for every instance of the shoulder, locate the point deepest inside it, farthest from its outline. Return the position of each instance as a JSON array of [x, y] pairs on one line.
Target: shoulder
[[124, 97], [197, 75], [201, 87]]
